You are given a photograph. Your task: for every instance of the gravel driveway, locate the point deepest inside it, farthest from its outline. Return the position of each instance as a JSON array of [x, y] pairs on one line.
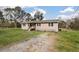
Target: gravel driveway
[[41, 43]]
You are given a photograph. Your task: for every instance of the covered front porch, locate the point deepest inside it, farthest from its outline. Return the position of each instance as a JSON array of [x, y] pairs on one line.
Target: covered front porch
[[32, 26]]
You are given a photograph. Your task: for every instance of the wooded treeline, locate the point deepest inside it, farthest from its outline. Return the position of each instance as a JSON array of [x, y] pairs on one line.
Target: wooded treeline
[[12, 17], [72, 23]]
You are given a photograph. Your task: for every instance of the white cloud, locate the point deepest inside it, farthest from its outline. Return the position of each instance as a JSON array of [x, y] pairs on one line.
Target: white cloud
[[38, 9], [63, 16], [66, 17], [69, 9], [44, 19]]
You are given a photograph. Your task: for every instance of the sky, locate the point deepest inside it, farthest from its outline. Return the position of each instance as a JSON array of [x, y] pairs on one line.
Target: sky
[[54, 12], [51, 12]]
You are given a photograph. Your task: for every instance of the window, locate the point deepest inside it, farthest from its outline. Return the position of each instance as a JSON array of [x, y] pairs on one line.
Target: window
[[50, 24], [38, 24]]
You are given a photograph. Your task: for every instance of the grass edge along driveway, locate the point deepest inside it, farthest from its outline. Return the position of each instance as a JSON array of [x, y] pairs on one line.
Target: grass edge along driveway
[[68, 41], [11, 35]]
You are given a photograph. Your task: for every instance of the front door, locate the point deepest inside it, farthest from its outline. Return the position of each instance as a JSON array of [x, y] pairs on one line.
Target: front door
[[32, 26]]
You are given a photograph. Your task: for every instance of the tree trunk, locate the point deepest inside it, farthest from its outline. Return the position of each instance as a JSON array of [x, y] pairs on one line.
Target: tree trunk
[[15, 24]]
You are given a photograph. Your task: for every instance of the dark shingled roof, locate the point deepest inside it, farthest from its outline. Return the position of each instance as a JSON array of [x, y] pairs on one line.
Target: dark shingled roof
[[42, 21]]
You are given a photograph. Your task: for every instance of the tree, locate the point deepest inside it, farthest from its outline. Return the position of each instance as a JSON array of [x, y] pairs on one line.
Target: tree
[[25, 17], [28, 17], [38, 15], [17, 15], [1, 16], [75, 24], [62, 24], [9, 14], [21, 15], [20, 18]]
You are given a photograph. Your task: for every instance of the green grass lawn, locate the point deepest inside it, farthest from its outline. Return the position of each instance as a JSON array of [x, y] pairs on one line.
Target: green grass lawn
[[9, 36], [68, 41]]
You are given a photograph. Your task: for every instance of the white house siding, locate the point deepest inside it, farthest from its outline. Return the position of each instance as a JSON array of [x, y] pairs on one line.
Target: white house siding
[[25, 27], [54, 27], [46, 27]]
